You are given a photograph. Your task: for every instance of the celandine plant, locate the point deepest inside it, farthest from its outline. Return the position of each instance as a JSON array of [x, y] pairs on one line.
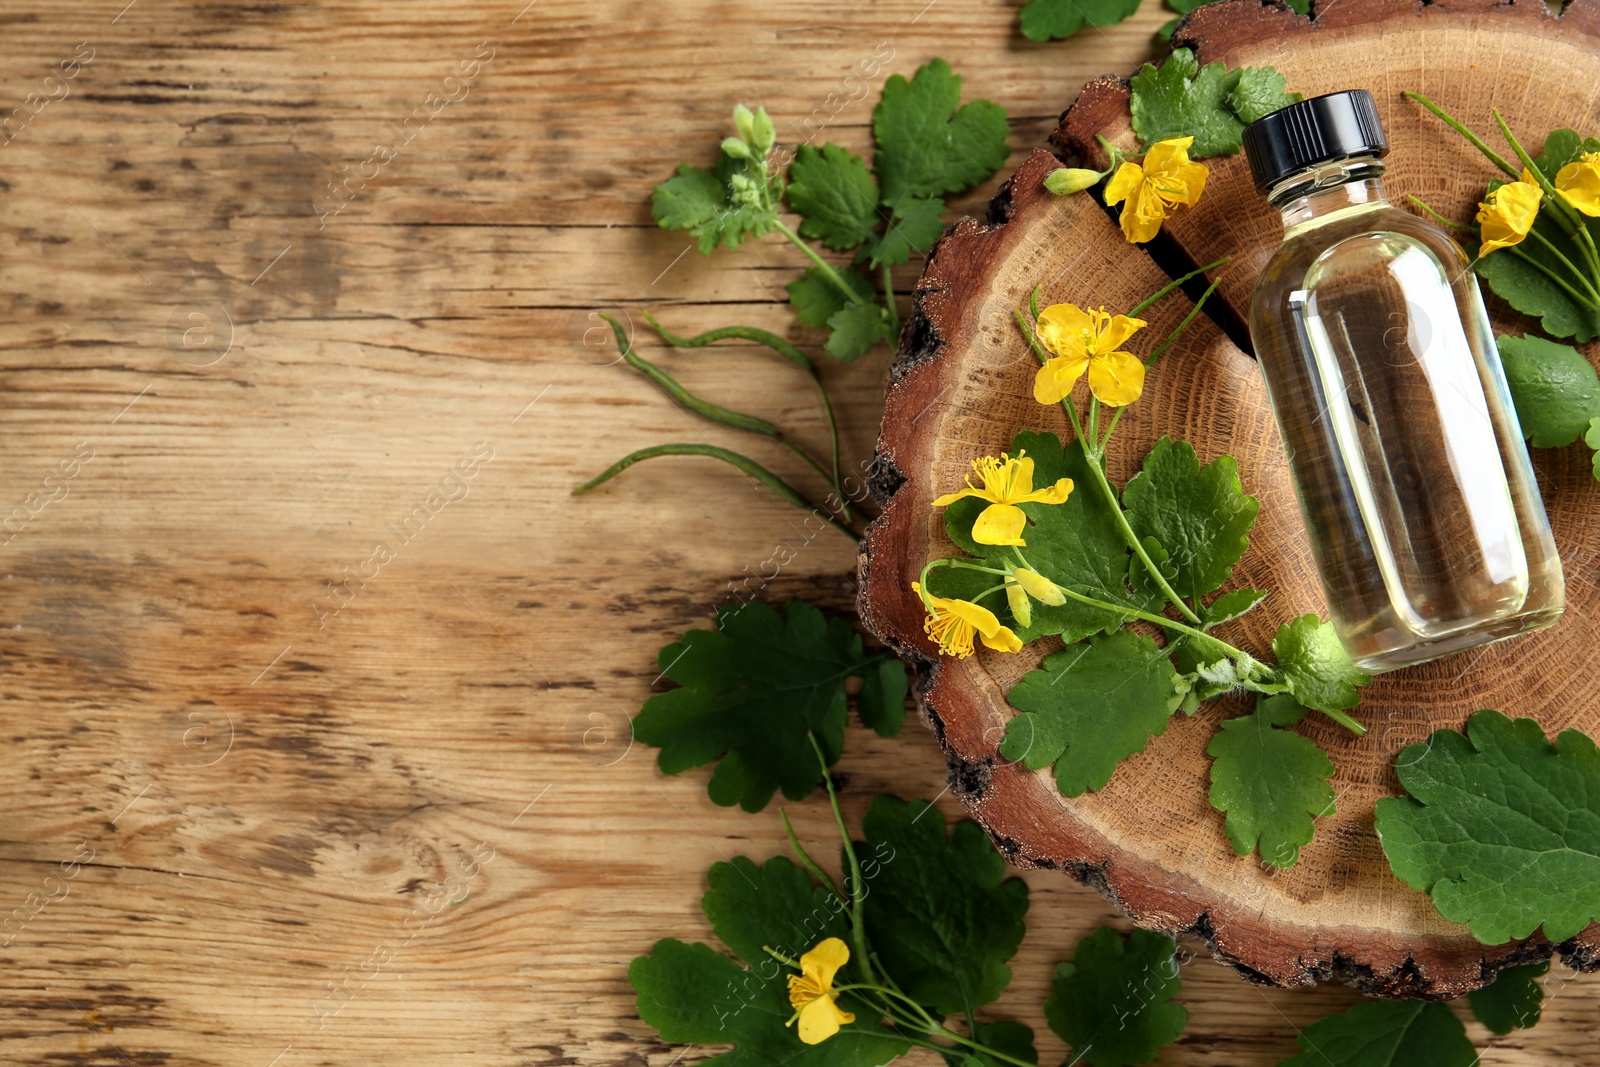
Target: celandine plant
[[1055, 549]]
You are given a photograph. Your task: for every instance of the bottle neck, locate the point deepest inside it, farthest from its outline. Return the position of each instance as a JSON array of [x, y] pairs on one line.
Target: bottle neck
[[1310, 197]]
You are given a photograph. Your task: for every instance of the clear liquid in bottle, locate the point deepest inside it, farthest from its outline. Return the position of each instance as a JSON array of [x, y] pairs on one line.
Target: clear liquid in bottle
[[1423, 511]]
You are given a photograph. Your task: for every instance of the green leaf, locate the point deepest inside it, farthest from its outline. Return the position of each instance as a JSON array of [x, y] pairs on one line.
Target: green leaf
[[1113, 1002], [690, 198], [816, 299], [1556, 390], [1078, 544], [928, 145], [1002, 1035], [1319, 672], [1182, 99], [855, 329], [1260, 92], [1562, 147], [1387, 1033], [1232, 604], [775, 904], [693, 994], [1531, 291], [836, 198], [1089, 706], [1592, 439], [915, 226], [1044, 20], [1501, 827], [723, 205], [940, 913], [1512, 1000], [1200, 515], [750, 692], [881, 703], [1271, 782]]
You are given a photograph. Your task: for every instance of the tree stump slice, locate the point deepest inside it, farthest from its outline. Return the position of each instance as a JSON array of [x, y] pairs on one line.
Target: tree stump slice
[[961, 387]]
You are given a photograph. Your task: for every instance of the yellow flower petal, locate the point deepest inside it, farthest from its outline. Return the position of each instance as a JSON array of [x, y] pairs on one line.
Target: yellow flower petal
[[1142, 215], [811, 991], [1021, 607], [1117, 378], [953, 623], [1038, 587], [1017, 485], [1000, 524], [1506, 215], [824, 961], [1124, 183], [1579, 183], [1065, 330], [1002, 640], [1166, 155], [821, 1019], [951, 498], [1053, 381], [1052, 494], [1114, 330], [1166, 177]]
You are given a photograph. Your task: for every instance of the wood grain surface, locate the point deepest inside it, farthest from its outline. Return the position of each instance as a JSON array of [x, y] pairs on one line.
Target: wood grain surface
[[275, 798], [963, 389]]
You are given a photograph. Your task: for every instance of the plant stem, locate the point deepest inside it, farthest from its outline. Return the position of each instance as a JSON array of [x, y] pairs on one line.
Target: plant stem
[[1044, 357], [822, 265], [727, 417], [1159, 620], [1138, 548], [1105, 486], [743, 333], [985, 1049], [1344, 720], [788, 352], [928, 1022], [858, 896], [1160, 348], [1553, 276], [1558, 203], [1594, 294], [780, 957], [733, 459], [789, 443], [888, 299], [1436, 217], [1477, 142], [805, 858], [1175, 283]]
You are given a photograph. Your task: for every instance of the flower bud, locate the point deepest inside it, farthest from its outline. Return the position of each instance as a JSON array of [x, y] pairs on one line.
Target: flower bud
[[1071, 180]]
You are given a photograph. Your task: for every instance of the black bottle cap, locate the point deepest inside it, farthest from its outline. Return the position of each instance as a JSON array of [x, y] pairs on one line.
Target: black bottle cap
[[1319, 130]]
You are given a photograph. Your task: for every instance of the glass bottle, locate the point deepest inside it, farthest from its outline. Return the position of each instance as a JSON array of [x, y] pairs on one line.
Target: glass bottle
[[1424, 515]]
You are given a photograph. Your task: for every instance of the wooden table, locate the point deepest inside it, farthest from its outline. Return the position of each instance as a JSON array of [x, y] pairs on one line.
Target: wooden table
[[250, 756]]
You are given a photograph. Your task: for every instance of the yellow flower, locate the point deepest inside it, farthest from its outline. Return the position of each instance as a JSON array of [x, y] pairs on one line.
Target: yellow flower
[[1088, 340], [1167, 178], [1506, 215], [811, 992], [1007, 482], [1579, 183], [952, 624]]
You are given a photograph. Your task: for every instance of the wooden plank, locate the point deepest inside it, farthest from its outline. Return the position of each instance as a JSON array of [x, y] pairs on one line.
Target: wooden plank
[[278, 797]]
